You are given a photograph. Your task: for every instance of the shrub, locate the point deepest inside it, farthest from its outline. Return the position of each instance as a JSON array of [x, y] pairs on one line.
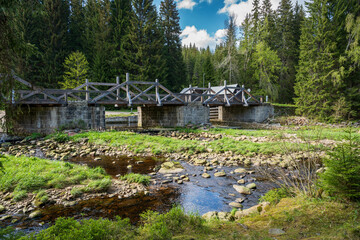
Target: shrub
[[33, 136], [68, 228], [19, 195], [136, 178], [275, 195], [342, 175]]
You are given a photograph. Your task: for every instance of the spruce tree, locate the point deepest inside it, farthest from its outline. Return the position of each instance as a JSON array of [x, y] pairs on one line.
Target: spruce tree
[[174, 64], [98, 43], [318, 81], [286, 50], [146, 42], [54, 43], [229, 63], [76, 25], [121, 14]]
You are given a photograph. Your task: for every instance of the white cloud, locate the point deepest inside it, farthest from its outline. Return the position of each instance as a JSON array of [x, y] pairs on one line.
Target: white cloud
[[239, 8], [185, 4], [201, 38]]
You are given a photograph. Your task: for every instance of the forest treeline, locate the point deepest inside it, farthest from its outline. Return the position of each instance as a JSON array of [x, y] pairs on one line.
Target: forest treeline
[[310, 58]]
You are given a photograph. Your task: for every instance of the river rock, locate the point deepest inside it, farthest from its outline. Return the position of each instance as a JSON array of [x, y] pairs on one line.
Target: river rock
[[2, 208], [206, 175], [276, 231], [180, 181], [223, 216], [240, 170], [242, 189], [241, 181], [235, 205], [220, 174], [35, 214], [97, 159], [260, 208], [171, 167], [239, 200], [200, 162], [210, 215], [251, 186]]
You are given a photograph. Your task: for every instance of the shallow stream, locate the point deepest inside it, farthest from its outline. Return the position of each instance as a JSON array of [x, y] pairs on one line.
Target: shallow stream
[[199, 195]]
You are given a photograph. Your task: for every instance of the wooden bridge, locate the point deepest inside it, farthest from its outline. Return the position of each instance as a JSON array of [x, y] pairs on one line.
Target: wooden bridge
[[130, 93]]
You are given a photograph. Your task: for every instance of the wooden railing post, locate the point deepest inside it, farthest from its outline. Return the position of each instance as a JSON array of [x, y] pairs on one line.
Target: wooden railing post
[[118, 90], [158, 98], [128, 96], [87, 95]]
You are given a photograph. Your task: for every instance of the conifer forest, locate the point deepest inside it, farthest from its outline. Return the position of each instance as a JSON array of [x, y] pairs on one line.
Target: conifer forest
[[307, 56]]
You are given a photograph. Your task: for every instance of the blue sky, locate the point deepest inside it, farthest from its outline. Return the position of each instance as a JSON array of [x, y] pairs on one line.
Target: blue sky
[[202, 21]]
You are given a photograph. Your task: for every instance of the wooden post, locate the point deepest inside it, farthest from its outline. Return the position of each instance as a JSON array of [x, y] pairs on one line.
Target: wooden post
[[128, 96], [158, 99], [225, 90], [242, 94], [87, 95], [13, 96], [118, 90], [190, 88]]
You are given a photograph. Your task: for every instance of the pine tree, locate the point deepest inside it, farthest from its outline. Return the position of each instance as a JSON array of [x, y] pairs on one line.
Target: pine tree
[[286, 50], [246, 50], [208, 69], [121, 14], [98, 43], [30, 23], [174, 64], [76, 70], [229, 63], [267, 28], [76, 25], [146, 42], [54, 44], [267, 66], [255, 21], [318, 81]]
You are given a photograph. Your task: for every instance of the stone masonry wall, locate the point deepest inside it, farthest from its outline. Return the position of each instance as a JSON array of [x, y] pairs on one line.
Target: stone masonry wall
[[256, 114], [47, 119], [172, 116]]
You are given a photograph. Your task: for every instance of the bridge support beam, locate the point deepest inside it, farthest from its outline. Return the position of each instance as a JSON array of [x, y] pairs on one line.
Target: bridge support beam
[[173, 116], [48, 119], [250, 113]]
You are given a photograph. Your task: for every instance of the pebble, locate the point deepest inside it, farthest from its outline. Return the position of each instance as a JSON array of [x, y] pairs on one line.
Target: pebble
[[206, 175]]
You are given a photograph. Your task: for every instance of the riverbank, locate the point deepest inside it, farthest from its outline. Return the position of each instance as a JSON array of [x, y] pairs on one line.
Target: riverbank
[[292, 218]]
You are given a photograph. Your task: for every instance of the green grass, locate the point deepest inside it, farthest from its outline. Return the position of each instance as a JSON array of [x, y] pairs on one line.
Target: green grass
[[142, 143], [284, 105], [23, 175], [300, 218], [305, 133], [136, 178]]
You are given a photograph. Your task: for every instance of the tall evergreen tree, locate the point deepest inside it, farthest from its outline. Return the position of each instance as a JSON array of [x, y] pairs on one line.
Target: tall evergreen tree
[[121, 14], [54, 43], [318, 81], [286, 50], [146, 42], [174, 64], [229, 63], [98, 42], [76, 25]]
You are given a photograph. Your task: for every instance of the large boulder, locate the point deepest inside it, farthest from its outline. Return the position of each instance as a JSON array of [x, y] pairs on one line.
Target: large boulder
[[260, 208], [220, 174], [240, 170], [171, 167], [242, 189]]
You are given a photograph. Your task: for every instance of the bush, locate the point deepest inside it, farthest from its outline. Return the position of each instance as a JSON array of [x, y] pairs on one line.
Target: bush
[[342, 175], [275, 195], [164, 226], [68, 228], [136, 178]]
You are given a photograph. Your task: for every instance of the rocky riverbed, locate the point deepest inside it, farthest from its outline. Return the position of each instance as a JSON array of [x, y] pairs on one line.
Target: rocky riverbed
[[203, 181]]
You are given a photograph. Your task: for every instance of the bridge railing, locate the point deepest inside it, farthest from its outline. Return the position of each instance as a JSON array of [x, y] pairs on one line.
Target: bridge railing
[[131, 93]]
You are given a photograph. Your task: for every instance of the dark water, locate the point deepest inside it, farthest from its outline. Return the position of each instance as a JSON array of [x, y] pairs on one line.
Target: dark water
[[119, 164]]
